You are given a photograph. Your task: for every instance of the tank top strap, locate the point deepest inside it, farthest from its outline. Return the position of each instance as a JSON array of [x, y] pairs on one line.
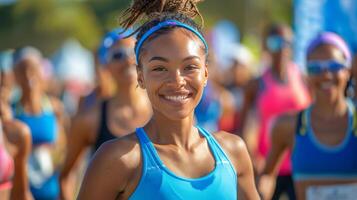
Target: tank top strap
[[17, 108], [352, 116], [301, 124], [149, 155], [217, 151], [46, 107], [103, 133]]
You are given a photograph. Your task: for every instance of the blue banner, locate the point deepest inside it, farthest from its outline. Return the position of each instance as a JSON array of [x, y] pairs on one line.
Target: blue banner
[[314, 16]]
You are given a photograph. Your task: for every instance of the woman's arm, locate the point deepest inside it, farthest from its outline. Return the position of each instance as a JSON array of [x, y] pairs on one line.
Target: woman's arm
[[238, 154], [282, 138], [19, 135], [80, 134], [111, 170]]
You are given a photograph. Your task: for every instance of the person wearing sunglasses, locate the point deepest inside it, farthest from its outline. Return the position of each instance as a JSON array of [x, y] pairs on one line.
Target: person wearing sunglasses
[[323, 137], [112, 117], [278, 90]]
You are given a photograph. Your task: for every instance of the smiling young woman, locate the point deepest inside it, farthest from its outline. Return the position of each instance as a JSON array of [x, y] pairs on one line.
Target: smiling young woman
[[170, 157]]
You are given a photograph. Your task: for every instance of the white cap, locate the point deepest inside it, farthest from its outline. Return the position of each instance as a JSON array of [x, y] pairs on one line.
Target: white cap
[[241, 54]]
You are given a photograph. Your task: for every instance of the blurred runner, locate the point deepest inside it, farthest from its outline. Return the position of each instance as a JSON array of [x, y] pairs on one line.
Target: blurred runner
[[279, 90], [110, 118], [239, 75], [44, 116], [322, 137]]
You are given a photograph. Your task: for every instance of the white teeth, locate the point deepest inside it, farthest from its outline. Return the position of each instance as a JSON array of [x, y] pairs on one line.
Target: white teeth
[[176, 98]]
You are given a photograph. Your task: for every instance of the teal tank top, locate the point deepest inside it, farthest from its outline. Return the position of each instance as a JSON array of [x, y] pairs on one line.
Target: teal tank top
[[159, 182]]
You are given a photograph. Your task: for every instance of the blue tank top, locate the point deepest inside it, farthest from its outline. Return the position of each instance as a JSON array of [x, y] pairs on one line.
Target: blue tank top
[[159, 181], [313, 160], [43, 126], [44, 181]]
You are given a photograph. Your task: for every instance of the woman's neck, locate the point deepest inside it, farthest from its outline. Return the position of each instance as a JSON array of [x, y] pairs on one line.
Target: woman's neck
[[279, 69], [181, 133], [32, 101], [330, 109]]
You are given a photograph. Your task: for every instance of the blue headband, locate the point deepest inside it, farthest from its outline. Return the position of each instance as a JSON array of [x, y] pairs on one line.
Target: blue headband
[[167, 24]]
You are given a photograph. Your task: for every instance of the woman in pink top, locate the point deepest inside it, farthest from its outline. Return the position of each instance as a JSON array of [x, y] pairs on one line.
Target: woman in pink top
[[279, 90], [15, 144]]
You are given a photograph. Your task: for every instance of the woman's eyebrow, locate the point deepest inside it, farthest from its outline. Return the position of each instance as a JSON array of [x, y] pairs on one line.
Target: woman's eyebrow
[[190, 58], [159, 59]]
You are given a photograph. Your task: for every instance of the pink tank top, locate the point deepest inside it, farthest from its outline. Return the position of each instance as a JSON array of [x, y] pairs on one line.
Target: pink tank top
[[6, 165], [274, 99]]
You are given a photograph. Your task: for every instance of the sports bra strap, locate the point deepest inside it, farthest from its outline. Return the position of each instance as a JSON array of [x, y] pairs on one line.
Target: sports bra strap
[[302, 122], [150, 160], [46, 106], [352, 108]]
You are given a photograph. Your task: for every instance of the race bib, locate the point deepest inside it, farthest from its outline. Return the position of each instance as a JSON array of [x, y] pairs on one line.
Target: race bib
[[332, 192], [40, 166]]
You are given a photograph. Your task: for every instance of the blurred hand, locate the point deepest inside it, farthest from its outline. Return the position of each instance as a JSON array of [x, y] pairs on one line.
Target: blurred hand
[[266, 186]]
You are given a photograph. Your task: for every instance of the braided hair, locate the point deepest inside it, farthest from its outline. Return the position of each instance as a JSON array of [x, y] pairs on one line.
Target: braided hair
[[157, 11]]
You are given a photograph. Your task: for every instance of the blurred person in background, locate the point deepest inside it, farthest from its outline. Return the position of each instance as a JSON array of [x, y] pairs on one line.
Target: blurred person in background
[[239, 74], [323, 137], [44, 116], [15, 141], [280, 89], [111, 118], [216, 100], [105, 86]]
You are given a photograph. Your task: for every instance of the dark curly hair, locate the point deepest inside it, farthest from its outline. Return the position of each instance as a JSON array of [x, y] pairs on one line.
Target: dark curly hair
[[156, 11]]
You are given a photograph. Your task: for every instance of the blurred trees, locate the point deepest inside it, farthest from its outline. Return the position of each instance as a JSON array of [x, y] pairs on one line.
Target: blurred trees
[[47, 23]]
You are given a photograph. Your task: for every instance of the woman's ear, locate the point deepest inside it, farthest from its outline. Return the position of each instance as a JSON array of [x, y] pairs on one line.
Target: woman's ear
[[206, 75], [139, 71]]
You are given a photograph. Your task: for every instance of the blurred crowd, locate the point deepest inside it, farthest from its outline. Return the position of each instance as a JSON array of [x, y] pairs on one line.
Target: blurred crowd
[[55, 115]]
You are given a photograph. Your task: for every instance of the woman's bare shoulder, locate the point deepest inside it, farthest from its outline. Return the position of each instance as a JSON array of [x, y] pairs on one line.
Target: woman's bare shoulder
[[230, 141], [18, 134], [121, 152]]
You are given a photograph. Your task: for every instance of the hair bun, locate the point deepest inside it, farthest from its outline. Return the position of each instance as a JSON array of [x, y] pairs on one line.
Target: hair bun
[[154, 8]]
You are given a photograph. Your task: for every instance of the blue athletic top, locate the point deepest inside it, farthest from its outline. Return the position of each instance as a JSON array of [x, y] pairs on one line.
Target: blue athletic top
[[43, 179], [312, 160], [159, 182], [43, 126]]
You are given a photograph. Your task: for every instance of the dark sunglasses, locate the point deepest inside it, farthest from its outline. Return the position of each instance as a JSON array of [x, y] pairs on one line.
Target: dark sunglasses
[[316, 67], [276, 43], [120, 54]]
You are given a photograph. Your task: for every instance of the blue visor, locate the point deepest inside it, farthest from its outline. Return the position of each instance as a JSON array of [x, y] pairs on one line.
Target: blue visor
[[316, 67], [276, 43]]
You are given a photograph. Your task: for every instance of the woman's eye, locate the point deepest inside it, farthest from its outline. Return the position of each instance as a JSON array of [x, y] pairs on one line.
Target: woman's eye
[[159, 69], [191, 67]]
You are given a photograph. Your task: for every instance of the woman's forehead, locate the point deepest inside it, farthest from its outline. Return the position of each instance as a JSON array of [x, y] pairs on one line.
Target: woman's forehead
[[176, 44], [326, 52], [127, 43]]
